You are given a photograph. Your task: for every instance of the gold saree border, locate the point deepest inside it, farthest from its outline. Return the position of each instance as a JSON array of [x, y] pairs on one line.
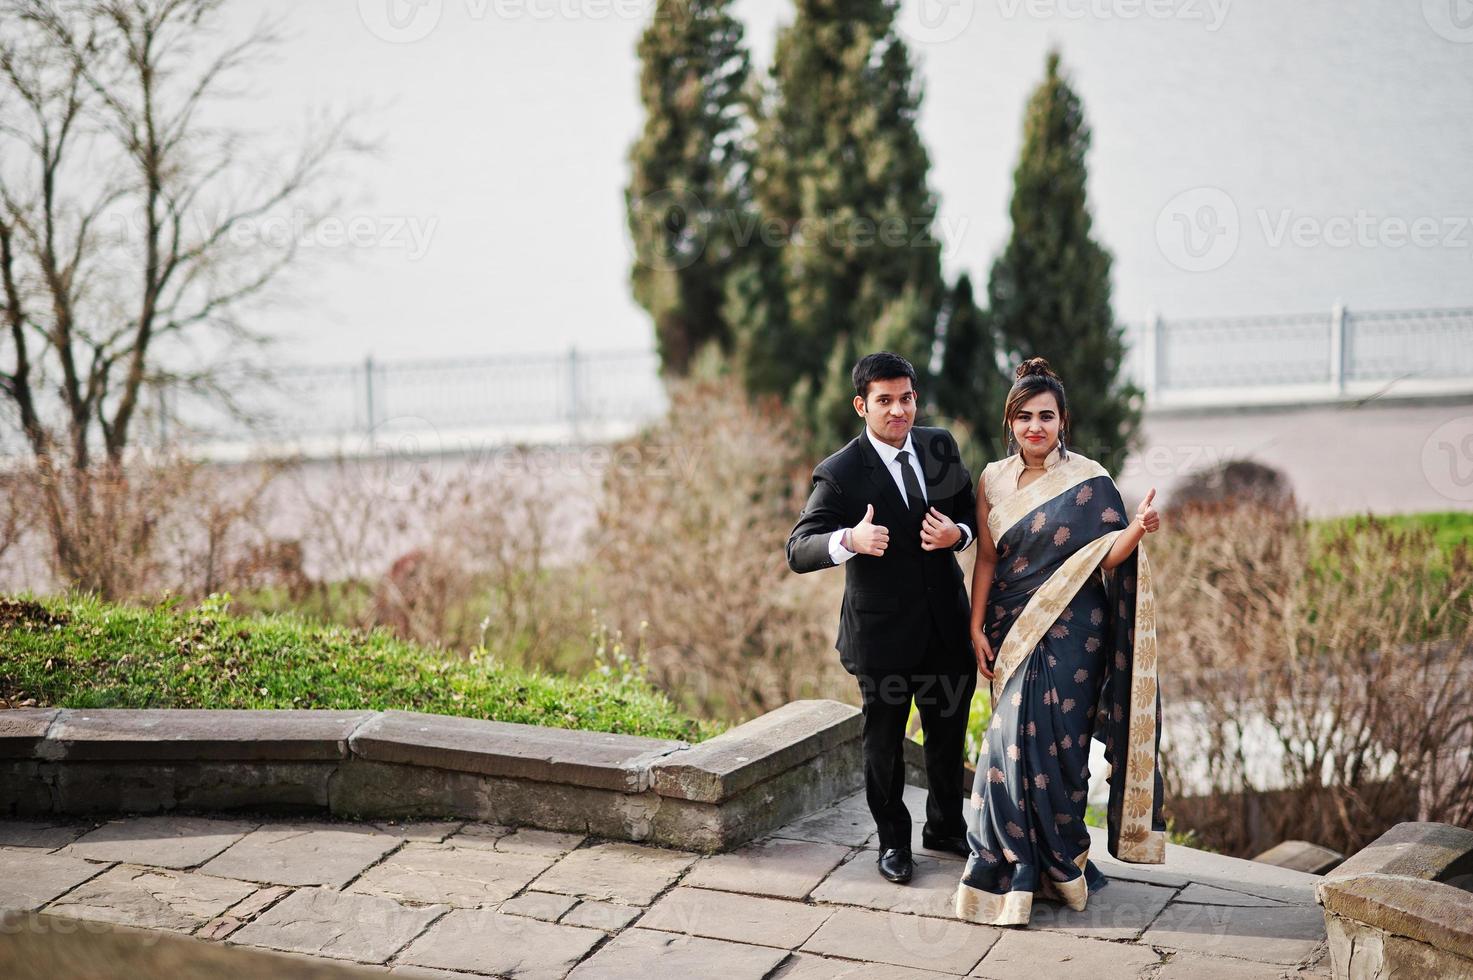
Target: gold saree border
[[1016, 907], [979, 905], [1073, 471], [1044, 606], [1139, 843]]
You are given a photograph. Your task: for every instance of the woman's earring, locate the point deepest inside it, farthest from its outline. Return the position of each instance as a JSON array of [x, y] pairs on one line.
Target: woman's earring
[[1063, 453]]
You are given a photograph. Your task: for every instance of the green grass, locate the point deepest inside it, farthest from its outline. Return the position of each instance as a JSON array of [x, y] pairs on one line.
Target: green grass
[[1449, 528], [79, 652]]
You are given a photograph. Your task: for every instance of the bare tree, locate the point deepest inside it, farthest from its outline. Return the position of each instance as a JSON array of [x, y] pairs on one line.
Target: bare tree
[[131, 220]]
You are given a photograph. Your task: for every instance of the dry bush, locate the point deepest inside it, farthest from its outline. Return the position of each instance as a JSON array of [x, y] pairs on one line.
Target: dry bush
[[690, 541], [1318, 680], [447, 551], [123, 530]]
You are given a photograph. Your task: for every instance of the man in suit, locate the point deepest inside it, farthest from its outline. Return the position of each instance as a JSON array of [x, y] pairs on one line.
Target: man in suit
[[894, 507]]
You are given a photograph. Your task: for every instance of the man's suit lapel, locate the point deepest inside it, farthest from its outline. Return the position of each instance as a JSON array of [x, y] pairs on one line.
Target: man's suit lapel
[[879, 476]]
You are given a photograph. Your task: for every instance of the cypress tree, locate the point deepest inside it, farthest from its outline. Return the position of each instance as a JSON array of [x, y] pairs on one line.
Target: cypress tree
[[686, 169], [840, 171], [970, 387], [1049, 293]]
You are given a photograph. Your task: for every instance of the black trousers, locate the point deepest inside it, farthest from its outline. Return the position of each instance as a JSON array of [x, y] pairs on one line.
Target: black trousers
[[942, 689]]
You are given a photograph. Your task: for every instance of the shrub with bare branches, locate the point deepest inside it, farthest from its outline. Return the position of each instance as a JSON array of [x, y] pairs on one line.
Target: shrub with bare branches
[[1323, 677], [690, 540]]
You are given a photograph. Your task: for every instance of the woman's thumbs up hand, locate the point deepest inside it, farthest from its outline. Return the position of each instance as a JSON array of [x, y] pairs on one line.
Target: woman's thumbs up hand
[[1147, 515]]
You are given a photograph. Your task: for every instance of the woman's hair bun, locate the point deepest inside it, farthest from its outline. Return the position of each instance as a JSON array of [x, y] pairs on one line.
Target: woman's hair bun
[[1035, 365]]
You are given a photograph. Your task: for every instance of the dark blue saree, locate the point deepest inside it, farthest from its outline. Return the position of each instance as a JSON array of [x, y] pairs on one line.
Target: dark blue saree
[[1076, 658]]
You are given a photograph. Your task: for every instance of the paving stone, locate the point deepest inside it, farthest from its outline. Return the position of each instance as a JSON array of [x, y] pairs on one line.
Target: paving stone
[[773, 866], [37, 833], [608, 916], [302, 854], [1191, 966], [931, 891], [528, 840], [151, 898], [920, 942], [219, 928], [629, 873], [469, 878], [1200, 894], [739, 918], [320, 922], [640, 954], [1187, 864], [833, 825], [159, 842], [1277, 935], [484, 941], [479, 835], [31, 878], [539, 905], [426, 831], [1025, 953], [258, 900], [808, 966], [1120, 910], [425, 973]]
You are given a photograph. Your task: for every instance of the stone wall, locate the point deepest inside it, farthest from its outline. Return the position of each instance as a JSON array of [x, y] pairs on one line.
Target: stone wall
[[709, 797], [1403, 905]]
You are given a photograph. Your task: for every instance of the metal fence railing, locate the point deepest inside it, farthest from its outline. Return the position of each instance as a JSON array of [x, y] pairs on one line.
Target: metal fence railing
[[1231, 361], [577, 396]]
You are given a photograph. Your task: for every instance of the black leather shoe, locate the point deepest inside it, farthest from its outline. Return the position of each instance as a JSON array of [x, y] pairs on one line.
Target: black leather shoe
[[951, 845], [896, 864]]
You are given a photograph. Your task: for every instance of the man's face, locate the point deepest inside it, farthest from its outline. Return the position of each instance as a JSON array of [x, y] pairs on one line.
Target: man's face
[[889, 409]]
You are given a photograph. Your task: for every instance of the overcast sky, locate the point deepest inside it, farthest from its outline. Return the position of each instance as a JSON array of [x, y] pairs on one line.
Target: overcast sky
[[1254, 156]]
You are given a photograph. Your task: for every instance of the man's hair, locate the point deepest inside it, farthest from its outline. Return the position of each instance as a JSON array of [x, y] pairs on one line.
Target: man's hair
[[881, 366]]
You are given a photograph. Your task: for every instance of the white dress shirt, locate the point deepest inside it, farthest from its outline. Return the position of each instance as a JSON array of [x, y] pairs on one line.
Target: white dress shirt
[[889, 456]]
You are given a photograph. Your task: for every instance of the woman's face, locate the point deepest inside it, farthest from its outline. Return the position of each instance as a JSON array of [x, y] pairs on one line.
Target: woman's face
[[1036, 426]]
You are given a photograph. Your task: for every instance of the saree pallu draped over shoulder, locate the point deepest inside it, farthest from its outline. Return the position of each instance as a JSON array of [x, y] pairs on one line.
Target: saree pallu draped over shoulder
[[1076, 659]]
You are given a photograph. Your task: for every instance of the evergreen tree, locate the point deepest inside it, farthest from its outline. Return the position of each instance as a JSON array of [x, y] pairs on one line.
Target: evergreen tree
[[971, 388], [840, 172], [686, 170], [1049, 293]]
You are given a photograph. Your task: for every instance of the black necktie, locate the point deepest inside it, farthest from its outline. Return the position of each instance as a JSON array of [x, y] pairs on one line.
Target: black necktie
[[914, 498]]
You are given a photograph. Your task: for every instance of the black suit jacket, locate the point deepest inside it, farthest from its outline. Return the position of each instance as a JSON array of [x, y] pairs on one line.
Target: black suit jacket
[[888, 598]]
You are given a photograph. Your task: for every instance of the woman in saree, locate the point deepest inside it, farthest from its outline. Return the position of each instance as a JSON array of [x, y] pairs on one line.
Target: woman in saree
[[1063, 624]]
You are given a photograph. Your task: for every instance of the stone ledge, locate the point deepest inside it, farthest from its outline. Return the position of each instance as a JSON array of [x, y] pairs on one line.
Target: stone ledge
[[707, 797], [191, 734], [762, 748], [1431, 912], [599, 760], [1425, 851], [22, 729], [1390, 908]]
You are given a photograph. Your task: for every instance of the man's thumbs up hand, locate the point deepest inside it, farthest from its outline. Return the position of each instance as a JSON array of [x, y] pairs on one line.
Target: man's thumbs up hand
[[867, 537]]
